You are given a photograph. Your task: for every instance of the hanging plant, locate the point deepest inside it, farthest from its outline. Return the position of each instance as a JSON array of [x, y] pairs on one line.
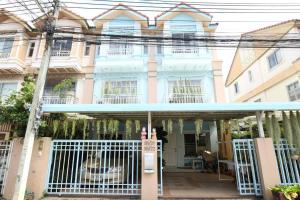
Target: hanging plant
[[110, 127], [116, 127], [287, 129], [98, 126], [73, 128], [84, 128], [298, 117], [170, 126], [128, 125], [55, 126], [180, 122], [269, 126], [296, 131], [276, 129], [65, 126], [163, 122], [198, 126], [250, 127], [137, 125], [104, 127]]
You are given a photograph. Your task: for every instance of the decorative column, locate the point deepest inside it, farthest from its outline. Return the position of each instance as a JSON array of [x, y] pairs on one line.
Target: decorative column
[[149, 186], [266, 159]]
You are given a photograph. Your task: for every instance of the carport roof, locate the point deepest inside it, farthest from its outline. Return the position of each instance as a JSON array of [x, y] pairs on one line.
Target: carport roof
[[188, 110]]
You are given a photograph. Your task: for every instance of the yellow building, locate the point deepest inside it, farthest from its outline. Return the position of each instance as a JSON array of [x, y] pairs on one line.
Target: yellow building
[[266, 71]]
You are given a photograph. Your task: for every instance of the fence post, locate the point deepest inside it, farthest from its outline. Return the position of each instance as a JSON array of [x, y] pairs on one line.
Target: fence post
[[149, 190], [267, 165]]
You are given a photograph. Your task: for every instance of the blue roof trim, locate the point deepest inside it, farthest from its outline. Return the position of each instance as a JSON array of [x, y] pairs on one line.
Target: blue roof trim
[[188, 107]]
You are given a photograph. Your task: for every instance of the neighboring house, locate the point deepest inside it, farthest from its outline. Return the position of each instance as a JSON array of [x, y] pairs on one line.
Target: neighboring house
[[268, 74], [21, 51]]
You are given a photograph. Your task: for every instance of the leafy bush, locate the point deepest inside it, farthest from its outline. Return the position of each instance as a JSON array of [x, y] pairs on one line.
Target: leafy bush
[[290, 192]]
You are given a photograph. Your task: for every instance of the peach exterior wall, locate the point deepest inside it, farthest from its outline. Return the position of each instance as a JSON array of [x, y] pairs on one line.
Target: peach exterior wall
[[218, 82], [267, 164], [38, 167]]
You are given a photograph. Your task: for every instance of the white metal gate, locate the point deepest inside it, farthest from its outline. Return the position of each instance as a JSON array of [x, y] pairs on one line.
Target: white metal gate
[[97, 167], [247, 174], [5, 152], [289, 169]]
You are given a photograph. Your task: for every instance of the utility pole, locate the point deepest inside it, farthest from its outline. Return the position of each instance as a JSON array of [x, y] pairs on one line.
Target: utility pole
[[35, 112]]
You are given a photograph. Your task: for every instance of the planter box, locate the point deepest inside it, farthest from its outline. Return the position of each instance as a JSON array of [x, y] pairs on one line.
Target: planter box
[[280, 196]]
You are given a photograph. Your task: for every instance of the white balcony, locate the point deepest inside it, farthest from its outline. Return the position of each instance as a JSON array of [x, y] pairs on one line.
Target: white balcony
[[4, 54], [61, 53], [185, 98], [119, 99], [59, 100], [180, 51], [120, 51]]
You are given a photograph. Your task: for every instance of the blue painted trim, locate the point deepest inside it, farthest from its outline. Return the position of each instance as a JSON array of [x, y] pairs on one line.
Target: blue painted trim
[[188, 107]]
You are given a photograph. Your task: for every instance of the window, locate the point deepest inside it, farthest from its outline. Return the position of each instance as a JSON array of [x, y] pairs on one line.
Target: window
[[87, 48], [62, 47], [120, 46], [258, 100], [183, 43], [6, 89], [6, 46], [185, 91], [236, 87], [98, 47], [31, 49], [250, 77], [274, 59], [121, 88], [294, 91]]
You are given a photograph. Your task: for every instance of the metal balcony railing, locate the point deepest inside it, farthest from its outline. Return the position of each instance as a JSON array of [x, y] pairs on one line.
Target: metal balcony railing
[[61, 53], [184, 50], [4, 54], [120, 51], [185, 98], [59, 100], [119, 99]]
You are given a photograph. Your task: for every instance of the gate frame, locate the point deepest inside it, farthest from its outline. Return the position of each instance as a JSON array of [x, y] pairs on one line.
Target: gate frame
[[7, 164]]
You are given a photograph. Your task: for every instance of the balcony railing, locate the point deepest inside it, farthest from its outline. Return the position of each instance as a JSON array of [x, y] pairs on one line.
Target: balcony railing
[[59, 100], [185, 50], [185, 98], [4, 54], [61, 53], [119, 99], [120, 51]]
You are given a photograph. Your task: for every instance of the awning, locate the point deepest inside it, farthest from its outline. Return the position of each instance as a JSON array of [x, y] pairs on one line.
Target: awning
[[188, 110]]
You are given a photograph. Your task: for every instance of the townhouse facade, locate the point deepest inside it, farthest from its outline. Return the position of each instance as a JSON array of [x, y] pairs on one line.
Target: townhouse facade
[[269, 74]]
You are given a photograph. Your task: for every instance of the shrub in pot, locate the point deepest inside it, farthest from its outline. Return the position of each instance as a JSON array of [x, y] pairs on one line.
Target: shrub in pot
[[286, 192]]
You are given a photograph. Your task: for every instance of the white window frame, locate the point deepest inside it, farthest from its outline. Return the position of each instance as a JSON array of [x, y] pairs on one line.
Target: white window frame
[[236, 88], [293, 91], [3, 53], [31, 48], [123, 84], [277, 56], [88, 45], [7, 82], [184, 46]]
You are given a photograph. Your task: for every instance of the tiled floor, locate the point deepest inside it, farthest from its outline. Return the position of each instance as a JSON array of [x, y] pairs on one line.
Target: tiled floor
[[198, 185]]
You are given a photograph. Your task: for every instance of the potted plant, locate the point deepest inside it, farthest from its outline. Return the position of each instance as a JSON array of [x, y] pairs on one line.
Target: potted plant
[[286, 192]]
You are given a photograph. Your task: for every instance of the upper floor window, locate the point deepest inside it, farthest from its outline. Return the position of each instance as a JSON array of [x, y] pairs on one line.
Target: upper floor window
[[87, 48], [274, 59], [120, 46], [184, 43], [236, 87], [6, 46], [31, 49], [294, 91], [62, 47], [250, 77], [120, 92], [258, 100], [6, 89], [185, 91]]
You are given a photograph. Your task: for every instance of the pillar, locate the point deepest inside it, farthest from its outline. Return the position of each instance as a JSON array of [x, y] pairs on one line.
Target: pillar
[[152, 74], [218, 81], [267, 165], [149, 185]]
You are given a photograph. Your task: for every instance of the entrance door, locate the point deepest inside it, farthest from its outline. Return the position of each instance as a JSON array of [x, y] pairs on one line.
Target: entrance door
[[170, 153]]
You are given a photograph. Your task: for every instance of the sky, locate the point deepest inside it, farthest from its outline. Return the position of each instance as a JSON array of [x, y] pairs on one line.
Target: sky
[[230, 24]]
